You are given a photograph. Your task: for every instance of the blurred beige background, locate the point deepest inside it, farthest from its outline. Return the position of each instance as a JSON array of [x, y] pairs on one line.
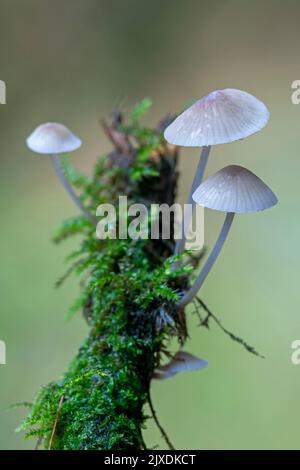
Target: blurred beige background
[[72, 61]]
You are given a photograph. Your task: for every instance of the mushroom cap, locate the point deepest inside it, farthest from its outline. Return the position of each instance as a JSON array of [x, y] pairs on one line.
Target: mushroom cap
[[220, 117], [234, 189], [52, 138]]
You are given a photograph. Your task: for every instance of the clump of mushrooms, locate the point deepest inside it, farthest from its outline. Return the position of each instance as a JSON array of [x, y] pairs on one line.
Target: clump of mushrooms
[[234, 189], [54, 139], [221, 117]]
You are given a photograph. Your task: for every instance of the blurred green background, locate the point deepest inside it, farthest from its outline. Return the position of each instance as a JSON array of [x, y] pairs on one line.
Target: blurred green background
[[73, 61]]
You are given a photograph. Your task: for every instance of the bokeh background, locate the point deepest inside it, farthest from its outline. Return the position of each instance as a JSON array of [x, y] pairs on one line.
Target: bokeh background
[[73, 61]]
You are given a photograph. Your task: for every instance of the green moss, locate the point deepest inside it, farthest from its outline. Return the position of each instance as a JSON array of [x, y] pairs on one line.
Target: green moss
[[127, 299]]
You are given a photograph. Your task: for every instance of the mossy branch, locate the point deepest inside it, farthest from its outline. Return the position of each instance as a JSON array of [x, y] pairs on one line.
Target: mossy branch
[[128, 299]]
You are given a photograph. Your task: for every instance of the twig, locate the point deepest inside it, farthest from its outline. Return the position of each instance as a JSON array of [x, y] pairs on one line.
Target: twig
[[163, 432], [56, 421], [204, 322], [117, 138]]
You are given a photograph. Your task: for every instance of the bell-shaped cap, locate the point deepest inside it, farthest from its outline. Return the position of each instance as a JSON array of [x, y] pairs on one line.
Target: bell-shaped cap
[[52, 138], [234, 189], [220, 117]]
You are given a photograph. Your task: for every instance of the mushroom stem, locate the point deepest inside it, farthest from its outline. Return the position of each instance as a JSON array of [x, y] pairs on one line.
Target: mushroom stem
[[61, 175], [197, 180], [192, 292]]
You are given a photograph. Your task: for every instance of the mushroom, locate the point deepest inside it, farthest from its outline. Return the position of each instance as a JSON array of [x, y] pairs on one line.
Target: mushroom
[[54, 139], [233, 189], [220, 117], [181, 362]]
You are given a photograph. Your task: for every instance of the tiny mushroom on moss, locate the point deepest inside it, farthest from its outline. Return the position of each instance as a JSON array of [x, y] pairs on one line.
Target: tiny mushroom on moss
[[221, 117], [234, 189], [54, 139]]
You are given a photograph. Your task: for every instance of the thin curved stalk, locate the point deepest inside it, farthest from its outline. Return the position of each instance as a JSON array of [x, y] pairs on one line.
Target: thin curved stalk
[[196, 182], [61, 176], [189, 296]]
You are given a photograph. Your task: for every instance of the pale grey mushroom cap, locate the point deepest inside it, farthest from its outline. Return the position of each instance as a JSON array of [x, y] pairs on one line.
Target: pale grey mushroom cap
[[52, 138], [220, 117], [234, 189]]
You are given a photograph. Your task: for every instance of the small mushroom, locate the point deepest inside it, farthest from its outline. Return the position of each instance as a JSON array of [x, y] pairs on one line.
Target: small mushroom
[[233, 189], [220, 117], [54, 139], [181, 362]]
